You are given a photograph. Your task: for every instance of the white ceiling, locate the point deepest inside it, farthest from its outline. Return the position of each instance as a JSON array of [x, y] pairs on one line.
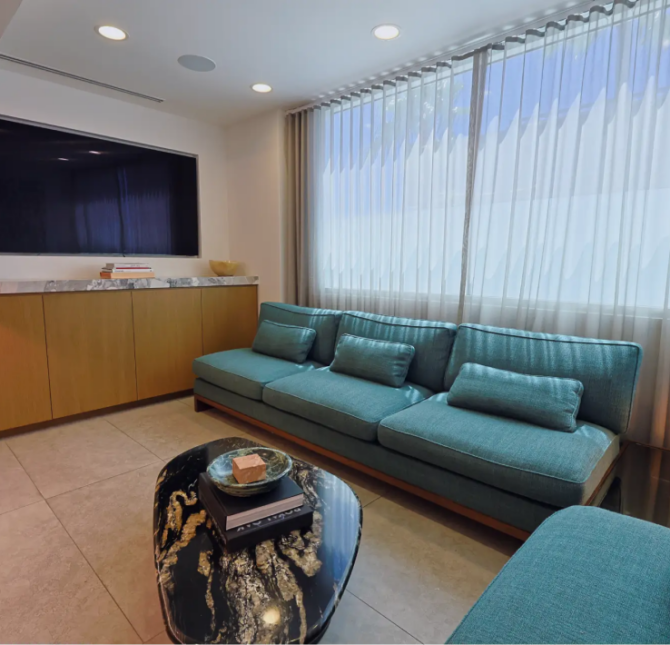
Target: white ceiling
[[303, 48]]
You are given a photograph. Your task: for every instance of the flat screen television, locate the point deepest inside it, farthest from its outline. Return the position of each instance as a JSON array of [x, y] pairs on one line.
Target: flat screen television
[[63, 193]]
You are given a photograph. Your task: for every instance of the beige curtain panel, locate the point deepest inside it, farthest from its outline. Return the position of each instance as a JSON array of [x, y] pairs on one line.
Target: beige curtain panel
[[299, 181]]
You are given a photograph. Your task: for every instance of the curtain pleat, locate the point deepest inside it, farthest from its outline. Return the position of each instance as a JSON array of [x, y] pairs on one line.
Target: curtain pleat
[[569, 227], [523, 186], [299, 141], [390, 170]]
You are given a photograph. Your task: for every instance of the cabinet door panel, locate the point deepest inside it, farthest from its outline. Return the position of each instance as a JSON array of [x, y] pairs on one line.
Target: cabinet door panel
[[24, 376], [229, 317], [168, 336], [90, 349]]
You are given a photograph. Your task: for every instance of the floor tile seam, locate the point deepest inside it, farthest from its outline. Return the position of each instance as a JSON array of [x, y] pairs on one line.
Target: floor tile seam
[[22, 467], [19, 508], [39, 492], [103, 418], [95, 573], [376, 500], [402, 629], [372, 501], [104, 479], [122, 431], [162, 629]]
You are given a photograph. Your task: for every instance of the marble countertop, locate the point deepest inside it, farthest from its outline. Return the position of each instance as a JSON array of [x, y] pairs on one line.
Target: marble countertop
[[56, 286]]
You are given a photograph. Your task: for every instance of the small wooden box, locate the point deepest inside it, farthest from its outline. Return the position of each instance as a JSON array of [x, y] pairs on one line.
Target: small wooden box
[[248, 469]]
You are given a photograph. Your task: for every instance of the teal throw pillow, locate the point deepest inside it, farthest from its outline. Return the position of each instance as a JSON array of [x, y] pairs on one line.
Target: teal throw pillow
[[284, 341], [546, 401], [382, 361]]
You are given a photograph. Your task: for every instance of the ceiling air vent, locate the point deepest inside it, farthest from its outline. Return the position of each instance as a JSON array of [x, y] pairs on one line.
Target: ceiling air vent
[[82, 79]]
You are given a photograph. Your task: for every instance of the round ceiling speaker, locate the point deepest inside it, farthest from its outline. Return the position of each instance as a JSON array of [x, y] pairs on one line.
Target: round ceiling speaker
[[196, 63]]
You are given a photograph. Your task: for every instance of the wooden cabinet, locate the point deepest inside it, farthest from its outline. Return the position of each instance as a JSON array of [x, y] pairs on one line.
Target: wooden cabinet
[[229, 318], [90, 349], [24, 376], [168, 336], [62, 354]]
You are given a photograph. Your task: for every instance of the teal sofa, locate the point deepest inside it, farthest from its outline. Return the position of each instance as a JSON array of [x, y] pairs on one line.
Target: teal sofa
[[585, 576], [513, 473]]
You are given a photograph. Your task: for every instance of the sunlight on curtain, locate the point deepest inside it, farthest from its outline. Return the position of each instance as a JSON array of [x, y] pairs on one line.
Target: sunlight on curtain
[[568, 229], [387, 224], [570, 225]]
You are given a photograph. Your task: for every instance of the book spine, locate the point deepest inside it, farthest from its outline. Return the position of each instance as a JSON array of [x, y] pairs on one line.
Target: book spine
[[235, 521], [126, 266], [241, 538], [127, 276]]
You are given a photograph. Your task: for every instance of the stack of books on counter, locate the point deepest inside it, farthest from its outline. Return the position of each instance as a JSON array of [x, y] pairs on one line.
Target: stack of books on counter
[[127, 270], [245, 521]]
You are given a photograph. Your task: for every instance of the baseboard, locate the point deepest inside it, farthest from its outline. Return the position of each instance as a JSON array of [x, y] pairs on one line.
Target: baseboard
[[201, 403], [9, 432]]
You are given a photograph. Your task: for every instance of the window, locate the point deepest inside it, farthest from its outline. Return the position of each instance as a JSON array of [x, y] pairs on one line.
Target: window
[[567, 184]]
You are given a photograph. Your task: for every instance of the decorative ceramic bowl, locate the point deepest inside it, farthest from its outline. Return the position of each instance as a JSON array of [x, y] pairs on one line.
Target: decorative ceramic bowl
[[277, 465], [222, 267]]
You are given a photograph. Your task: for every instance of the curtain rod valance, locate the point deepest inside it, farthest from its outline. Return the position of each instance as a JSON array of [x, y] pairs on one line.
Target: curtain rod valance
[[537, 30]]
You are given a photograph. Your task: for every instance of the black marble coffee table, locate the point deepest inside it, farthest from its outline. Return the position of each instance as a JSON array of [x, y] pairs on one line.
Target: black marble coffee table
[[280, 591]]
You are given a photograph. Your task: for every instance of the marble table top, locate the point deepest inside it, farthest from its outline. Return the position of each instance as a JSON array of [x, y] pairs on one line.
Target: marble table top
[[280, 591], [57, 286]]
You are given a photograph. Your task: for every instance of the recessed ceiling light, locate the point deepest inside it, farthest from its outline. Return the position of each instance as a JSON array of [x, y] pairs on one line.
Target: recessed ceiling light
[[196, 63], [62, 159], [111, 33], [263, 88], [386, 32], [95, 152]]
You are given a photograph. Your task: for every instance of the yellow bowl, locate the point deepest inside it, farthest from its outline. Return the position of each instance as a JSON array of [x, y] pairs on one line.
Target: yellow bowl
[[223, 268]]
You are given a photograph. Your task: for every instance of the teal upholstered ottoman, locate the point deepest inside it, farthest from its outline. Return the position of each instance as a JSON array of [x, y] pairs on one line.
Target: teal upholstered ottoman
[[585, 576]]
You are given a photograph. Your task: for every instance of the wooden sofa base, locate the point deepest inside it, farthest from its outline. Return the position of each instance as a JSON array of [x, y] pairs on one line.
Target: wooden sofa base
[[201, 403]]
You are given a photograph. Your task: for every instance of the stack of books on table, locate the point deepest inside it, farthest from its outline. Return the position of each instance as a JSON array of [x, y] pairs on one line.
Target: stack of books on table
[[245, 521], [127, 270]]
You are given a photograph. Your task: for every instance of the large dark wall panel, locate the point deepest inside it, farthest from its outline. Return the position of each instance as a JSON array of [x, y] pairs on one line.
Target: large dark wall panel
[[64, 193]]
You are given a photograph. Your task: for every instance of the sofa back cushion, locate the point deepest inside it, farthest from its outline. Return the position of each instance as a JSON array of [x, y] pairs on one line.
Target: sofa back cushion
[[382, 361], [608, 369], [432, 342], [324, 321], [546, 401], [284, 341]]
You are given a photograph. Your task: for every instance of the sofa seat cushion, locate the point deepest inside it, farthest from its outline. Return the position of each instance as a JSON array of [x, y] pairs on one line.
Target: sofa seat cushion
[[557, 468], [344, 403], [246, 372], [585, 576]]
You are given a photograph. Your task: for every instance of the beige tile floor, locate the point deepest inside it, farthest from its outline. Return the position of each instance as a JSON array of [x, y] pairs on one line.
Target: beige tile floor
[[76, 538]]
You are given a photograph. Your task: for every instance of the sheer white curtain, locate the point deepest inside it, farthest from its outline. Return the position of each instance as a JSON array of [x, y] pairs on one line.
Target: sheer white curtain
[[533, 192], [391, 167], [570, 223]]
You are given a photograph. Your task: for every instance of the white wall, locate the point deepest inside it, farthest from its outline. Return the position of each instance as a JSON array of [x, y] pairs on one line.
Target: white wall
[[255, 179], [39, 100]]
